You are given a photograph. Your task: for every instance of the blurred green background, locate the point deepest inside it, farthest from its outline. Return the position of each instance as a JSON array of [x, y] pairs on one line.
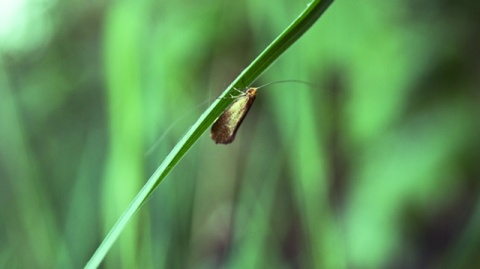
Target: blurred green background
[[377, 167]]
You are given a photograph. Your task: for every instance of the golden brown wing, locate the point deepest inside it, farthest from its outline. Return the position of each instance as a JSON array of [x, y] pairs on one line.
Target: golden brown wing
[[225, 127]]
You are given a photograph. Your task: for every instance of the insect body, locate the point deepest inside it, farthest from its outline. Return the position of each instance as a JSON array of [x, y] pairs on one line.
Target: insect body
[[226, 126]]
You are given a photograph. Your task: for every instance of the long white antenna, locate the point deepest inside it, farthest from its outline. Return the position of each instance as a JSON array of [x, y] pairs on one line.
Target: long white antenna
[[289, 80]]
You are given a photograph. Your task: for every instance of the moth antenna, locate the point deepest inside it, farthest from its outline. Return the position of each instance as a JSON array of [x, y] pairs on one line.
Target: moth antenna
[[289, 80]]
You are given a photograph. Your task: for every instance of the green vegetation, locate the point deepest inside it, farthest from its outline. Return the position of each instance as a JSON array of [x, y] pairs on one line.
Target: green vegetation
[[377, 167]]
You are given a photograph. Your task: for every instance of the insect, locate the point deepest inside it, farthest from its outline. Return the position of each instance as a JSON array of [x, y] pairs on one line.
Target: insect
[[226, 126]]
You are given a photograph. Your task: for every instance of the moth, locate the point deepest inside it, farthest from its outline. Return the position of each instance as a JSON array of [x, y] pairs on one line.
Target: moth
[[226, 126]]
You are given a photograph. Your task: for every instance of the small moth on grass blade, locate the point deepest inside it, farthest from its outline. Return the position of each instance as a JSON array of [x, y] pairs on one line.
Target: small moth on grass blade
[[226, 126]]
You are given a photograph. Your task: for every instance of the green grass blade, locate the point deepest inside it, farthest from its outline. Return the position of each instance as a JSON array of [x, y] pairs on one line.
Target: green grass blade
[[293, 32]]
